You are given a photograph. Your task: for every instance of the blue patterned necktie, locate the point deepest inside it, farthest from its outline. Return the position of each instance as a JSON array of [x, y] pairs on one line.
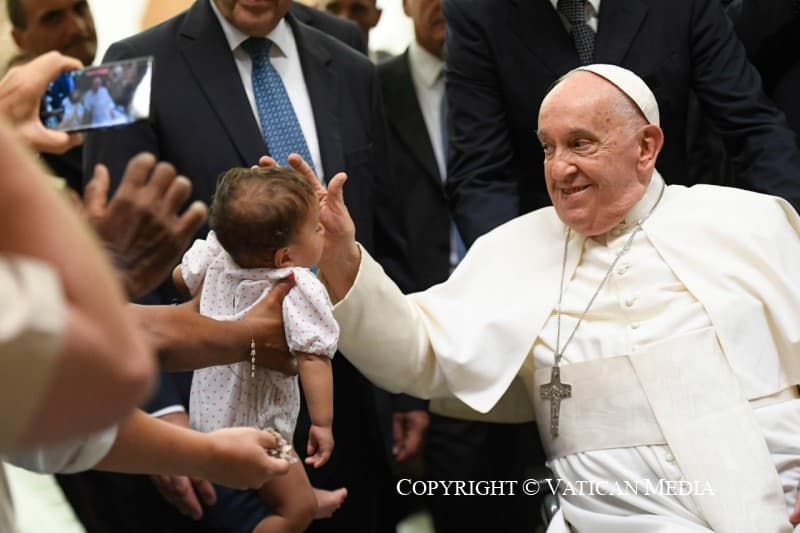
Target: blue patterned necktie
[[282, 132], [582, 34], [457, 248]]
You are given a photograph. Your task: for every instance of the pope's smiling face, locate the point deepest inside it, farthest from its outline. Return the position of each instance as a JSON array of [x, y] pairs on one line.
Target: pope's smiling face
[[594, 142]]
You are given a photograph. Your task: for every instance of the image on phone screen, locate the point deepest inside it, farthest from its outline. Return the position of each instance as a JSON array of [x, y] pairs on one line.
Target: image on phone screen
[[105, 96]]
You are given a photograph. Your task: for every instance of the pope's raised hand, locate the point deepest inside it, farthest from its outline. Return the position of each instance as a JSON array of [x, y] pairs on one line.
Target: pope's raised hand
[[340, 245]]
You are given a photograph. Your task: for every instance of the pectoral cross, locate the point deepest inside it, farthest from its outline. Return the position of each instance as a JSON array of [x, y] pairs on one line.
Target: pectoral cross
[[555, 391]]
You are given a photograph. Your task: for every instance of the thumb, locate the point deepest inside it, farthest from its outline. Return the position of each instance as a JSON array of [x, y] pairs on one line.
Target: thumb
[[267, 440], [95, 196], [281, 289], [336, 187]]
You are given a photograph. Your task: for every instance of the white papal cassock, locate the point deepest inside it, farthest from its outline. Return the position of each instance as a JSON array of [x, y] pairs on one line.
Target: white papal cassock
[[684, 413]]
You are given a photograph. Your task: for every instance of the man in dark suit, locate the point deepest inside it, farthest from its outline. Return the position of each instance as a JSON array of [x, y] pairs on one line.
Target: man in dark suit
[[203, 121], [503, 55], [413, 90], [770, 32]]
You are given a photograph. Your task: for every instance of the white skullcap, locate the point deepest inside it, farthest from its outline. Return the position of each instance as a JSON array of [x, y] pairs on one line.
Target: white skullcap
[[630, 84]]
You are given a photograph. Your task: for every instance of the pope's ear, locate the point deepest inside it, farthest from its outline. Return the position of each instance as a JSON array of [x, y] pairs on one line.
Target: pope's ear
[[652, 140]]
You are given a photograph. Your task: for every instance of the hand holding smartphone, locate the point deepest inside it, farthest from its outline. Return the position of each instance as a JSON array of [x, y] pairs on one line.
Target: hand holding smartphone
[[109, 95]]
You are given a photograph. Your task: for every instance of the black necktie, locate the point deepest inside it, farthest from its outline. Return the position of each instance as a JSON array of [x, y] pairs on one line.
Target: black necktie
[[582, 34]]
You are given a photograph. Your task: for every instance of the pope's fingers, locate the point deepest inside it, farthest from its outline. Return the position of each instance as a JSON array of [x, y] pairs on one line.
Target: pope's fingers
[[336, 187], [301, 166], [267, 161]]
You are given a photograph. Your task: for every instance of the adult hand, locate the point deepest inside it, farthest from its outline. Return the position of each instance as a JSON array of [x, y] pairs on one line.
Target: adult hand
[[340, 256], [794, 517], [239, 459], [266, 319], [141, 226], [21, 92], [408, 433], [185, 493]]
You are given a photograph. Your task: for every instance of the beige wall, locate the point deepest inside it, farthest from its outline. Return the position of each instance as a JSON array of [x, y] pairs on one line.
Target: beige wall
[[160, 10]]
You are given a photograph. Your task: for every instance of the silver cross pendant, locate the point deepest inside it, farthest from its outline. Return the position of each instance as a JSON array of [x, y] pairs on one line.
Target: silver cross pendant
[[555, 391]]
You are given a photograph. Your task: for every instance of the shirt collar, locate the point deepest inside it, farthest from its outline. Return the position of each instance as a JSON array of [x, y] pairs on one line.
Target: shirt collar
[[426, 67], [281, 35], [593, 4], [651, 196]]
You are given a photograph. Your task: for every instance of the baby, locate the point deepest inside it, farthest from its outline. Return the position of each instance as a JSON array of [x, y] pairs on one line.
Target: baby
[[265, 227]]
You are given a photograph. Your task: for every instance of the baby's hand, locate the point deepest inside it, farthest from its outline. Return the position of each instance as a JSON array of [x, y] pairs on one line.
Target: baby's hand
[[320, 445]]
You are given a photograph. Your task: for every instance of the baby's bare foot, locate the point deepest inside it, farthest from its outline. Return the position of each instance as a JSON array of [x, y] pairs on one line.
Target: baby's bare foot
[[328, 501]]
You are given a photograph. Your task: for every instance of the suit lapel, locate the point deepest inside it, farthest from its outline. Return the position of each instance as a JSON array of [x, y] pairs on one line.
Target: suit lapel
[[322, 83], [206, 51], [538, 25], [404, 115], [618, 24]]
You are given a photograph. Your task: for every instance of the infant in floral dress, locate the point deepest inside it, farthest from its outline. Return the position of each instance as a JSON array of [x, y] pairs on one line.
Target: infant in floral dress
[[265, 227]]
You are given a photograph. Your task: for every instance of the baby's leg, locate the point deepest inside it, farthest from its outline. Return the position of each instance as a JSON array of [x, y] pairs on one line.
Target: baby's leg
[[292, 501]]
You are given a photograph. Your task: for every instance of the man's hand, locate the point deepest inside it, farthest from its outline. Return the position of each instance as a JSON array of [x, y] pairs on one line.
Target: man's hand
[[184, 492], [320, 445], [21, 92], [239, 458], [141, 226], [408, 433], [265, 319]]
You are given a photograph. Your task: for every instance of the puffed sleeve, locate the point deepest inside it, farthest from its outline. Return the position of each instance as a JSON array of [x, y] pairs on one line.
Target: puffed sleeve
[[32, 324], [196, 260], [308, 316]]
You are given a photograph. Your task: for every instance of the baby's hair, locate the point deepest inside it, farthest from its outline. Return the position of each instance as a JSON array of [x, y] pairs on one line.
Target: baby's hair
[[256, 211]]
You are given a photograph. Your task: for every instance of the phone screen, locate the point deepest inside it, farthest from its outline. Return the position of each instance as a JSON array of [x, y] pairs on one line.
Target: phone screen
[[105, 96]]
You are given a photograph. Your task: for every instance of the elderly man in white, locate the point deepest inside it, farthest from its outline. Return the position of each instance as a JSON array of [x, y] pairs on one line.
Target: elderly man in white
[[654, 329]]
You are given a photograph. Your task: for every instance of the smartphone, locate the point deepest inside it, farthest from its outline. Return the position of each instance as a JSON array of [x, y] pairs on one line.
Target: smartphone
[[106, 96]]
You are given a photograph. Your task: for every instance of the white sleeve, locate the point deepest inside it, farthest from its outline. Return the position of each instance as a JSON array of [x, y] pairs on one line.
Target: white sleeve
[[196, 260], [75, 455]]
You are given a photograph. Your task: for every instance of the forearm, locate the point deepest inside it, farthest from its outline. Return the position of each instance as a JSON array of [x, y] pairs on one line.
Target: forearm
[[97, 341], [147, 445], [339, 271], [388, 342], [186, 340], [317, 380]]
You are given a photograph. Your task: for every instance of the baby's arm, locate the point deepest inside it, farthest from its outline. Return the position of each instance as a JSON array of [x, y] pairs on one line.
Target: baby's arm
[[180, 284], [316, 377]]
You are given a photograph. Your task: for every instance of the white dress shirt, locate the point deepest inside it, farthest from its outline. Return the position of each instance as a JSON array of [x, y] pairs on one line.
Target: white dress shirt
[[426, 72], [286, 60]]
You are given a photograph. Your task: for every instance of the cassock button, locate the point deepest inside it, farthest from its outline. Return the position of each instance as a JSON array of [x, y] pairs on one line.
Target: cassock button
[[623, 269], [669, 458], [629, 301], [634, 325]]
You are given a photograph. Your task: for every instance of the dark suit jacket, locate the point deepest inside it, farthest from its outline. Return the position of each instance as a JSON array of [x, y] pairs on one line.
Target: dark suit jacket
[[770, 32], [202, 123], [427, 223], [503, 55]]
